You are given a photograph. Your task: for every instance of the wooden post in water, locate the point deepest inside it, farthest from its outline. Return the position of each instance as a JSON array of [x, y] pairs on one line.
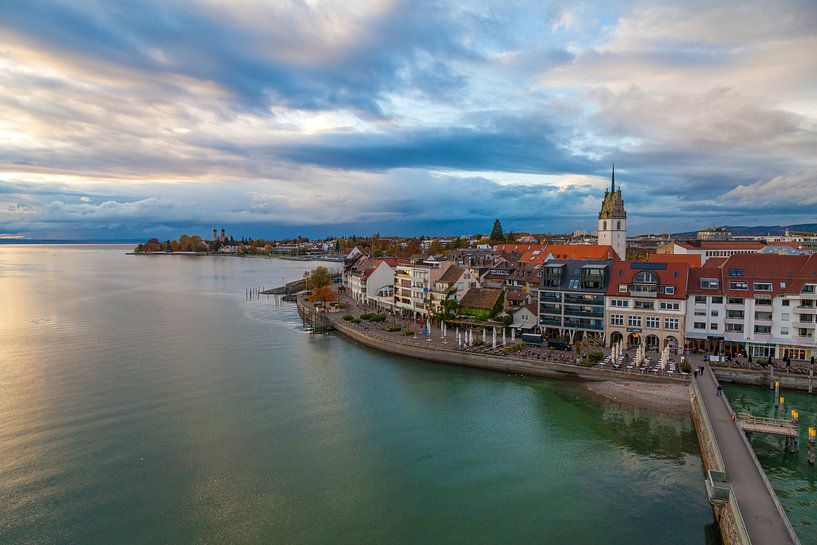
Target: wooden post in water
[[771, 377], [776, 393], [810, 377], [791, 442], [812, 432]]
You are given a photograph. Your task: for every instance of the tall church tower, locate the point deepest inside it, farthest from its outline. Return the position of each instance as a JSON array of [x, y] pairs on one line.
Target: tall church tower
[[613, 219]]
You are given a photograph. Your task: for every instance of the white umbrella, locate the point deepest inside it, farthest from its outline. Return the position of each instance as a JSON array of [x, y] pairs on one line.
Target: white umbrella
[[494, 337], [503, 336], [513, 334], [484, 340]]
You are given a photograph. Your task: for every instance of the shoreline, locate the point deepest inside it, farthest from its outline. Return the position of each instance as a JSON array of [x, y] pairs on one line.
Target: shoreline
[[663, 398]]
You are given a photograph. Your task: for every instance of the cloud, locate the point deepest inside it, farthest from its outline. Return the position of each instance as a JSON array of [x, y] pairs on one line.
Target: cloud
[[386, 114]]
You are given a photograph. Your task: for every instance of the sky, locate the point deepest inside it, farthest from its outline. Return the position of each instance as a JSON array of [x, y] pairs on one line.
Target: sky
[[275, 118]]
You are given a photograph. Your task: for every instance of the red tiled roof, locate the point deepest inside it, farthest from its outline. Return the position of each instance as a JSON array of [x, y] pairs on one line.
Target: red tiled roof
[[693, 260], [582, 251], [786, 273], [672, 274]]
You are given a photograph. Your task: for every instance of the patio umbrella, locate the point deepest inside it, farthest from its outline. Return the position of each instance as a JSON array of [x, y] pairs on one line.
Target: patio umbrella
[[503, 336], [513, 335], [484, 340], [493, 341]]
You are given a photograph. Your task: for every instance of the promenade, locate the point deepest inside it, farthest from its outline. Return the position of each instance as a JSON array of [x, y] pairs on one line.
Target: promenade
[[522, 359], [765, 521]]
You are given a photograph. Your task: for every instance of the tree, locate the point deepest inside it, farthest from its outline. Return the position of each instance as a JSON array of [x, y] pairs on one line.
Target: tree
[[319, 278], [496, 233], [322, 294], [510, 237], [499, 305]]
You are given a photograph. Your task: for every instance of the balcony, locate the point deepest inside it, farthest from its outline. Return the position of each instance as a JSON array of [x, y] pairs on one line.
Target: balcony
[[585, 300], [805, 310], [550, 322], [583, 313], [550, 298], [551, 309], [807, 325], [594, 325]]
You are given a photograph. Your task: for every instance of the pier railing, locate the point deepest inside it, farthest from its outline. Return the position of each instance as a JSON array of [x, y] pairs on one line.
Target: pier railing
[[713, 461], [732, 522]]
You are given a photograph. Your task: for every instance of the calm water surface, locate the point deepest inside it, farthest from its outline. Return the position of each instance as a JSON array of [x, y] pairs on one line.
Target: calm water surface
[[793, 479], [144, 400]]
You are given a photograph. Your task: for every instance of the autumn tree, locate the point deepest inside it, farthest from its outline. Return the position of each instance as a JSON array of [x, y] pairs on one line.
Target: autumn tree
[[319, 278], [323, 294]]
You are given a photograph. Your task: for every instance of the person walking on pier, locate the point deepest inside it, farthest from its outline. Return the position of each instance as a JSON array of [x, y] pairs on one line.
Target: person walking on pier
[[695, 373], [718, 390]]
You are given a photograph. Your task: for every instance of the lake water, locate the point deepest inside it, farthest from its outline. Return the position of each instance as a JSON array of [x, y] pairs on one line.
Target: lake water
[[145, 400]]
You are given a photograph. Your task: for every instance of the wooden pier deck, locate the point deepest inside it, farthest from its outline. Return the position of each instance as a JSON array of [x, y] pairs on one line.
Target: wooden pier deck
[[762, 515], [775, 426]]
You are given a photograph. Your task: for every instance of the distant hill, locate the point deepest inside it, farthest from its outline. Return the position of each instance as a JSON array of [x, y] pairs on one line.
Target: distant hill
[[759, 229]]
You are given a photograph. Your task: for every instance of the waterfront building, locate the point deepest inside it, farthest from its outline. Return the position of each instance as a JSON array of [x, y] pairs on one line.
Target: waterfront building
[[526, 318], [413, 281], [371, 280], [571, 298], [769, 303], [613, 220], [646, 303], [453, 284]]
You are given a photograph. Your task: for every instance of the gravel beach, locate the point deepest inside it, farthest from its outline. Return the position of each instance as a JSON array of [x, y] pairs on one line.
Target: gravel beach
[[671, 398]]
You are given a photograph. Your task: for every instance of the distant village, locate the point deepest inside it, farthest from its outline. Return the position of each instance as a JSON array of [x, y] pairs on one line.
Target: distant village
[[714, 292]]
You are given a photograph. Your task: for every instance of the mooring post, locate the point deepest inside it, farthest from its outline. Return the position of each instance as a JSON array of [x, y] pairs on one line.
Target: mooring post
[[791, 442], [812, 432], [776, 393], [810, 377], [771, 376]]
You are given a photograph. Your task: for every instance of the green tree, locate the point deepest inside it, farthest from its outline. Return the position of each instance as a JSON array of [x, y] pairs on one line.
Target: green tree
[[510, 237], [318, 278], [499, 305], [496, 233]]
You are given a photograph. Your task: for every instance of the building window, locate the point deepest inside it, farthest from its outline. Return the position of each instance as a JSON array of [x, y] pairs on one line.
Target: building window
[[604, 226], [699, 325], [709, 283], [713, 326], [763, 286], [809, 288], [763, 329], [645, 305], [622, 288], [700, 313], [652, 322], [623, 303], [670, 306], [784, 330], [618, 225], [734, 301], [785, 316], [616, 319], [717, 300], [785, 302], [737, 328], [671, 323], [634, 321], [669, 290], [700, 300], [735, 272], [713, 313], [738, 285]]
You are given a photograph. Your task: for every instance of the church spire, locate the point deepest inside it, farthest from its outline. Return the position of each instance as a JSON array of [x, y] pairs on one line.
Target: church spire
[[613, 180]]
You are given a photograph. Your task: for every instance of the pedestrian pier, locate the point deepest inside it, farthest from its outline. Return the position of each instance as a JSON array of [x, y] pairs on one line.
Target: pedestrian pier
[[744, 501]]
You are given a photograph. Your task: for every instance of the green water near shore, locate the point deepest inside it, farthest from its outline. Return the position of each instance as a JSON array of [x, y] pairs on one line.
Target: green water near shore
[[793, 479], [145, 400]]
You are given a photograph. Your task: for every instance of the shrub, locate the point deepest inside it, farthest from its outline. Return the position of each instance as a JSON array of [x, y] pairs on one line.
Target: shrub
[[348, 317], [355, 320], [394, 328], [478, 342], [587, 362], [513, 347], [685, 367], [595, 356], [408, 332]]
